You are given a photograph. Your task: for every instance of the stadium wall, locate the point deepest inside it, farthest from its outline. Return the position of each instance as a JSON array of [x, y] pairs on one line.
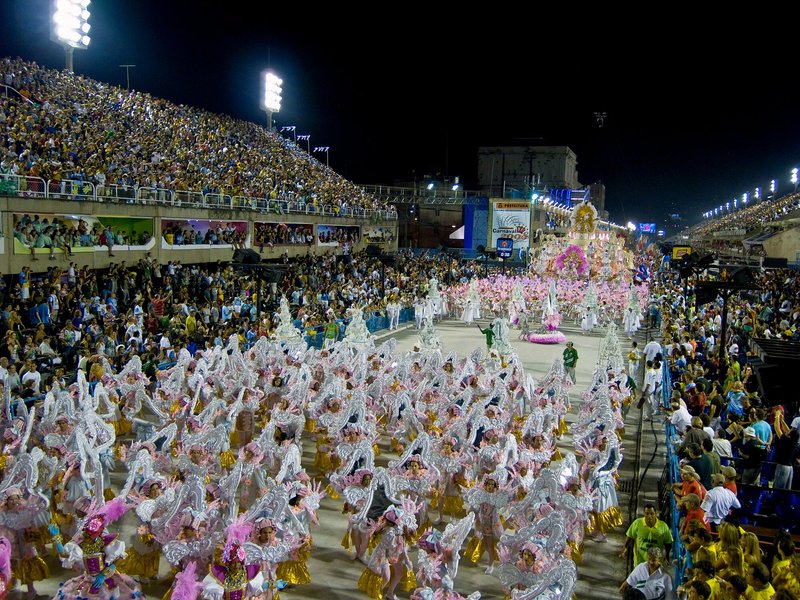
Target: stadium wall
[[14, 255], [785, 244]]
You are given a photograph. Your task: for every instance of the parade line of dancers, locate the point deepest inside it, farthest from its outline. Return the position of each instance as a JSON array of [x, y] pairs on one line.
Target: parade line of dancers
[[204, 468]]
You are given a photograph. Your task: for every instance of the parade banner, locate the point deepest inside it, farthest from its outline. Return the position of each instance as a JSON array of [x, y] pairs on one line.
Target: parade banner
[[510, 219]]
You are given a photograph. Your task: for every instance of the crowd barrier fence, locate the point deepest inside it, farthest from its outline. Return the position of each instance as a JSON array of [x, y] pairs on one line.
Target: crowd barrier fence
[[80, 190]]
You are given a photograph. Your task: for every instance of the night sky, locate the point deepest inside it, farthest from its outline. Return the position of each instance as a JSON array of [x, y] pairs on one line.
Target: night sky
[[695, 116]]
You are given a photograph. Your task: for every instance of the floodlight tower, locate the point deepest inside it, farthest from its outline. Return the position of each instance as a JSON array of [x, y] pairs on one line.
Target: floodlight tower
[[271, 98], [70, 26]]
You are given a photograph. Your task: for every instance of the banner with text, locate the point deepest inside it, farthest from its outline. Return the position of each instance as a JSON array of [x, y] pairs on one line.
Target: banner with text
[[509, 219]]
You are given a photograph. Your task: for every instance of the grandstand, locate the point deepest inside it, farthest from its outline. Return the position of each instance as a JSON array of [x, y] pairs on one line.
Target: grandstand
[[761, 229], [94, 153]]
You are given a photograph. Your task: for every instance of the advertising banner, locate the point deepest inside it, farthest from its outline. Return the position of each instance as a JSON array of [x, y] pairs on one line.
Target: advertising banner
[[510, 219]]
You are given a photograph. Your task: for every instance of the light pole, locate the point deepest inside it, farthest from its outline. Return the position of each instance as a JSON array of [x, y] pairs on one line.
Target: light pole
[[291, 128], [271, 98], [326, 150], [307, 139], [70, 26], [128, 73]]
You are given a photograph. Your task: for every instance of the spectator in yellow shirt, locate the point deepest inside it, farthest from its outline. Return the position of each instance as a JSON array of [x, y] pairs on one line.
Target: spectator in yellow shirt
[[758, 585]]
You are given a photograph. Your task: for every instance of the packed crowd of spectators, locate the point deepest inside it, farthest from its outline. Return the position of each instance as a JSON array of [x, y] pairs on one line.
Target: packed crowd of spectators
[[66, 127], [51, 322], [282, 234], [750, 217], [727, 434], [187, 234], [66, 234]]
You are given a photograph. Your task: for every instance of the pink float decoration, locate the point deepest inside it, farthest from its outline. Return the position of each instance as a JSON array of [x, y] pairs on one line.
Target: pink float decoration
[[572, 259], [555, 337]]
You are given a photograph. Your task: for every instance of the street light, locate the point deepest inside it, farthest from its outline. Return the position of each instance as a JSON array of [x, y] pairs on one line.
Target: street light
[[271, 99], [326, 150], [291, 128], [70, 26], [306, 138]]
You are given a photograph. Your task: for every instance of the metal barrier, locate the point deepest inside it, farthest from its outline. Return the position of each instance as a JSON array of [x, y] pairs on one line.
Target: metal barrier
[[25, 186], [115, 193], [69, 189], [673, 467]]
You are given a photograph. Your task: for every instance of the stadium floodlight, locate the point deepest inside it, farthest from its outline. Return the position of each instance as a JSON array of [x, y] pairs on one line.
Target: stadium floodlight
[[745, 197], [756, 194], [772, 186], [306, 137], [326, 150], [534, 196], [430, 185], [271, 98], [70, 26], [794, 178], [291, 128], [631, 226]]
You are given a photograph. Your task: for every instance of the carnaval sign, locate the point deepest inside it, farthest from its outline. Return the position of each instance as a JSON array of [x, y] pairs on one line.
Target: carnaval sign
[[510, 219]]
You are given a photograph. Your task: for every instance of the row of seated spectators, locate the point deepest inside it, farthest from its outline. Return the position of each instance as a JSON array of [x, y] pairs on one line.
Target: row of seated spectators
[[69, 127], [736, 493], [748, 217]]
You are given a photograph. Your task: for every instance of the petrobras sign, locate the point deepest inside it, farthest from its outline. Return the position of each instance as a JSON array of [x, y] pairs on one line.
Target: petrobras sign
[[505, 246], [511, 220]]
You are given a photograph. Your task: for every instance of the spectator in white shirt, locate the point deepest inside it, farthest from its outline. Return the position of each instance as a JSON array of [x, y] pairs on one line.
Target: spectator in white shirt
[[650, 579], [719, 500], [34, 375], [679, 417]]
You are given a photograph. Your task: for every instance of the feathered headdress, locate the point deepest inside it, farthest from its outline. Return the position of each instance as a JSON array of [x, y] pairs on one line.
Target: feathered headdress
[[186, 585], [105, 515], [238, 533]]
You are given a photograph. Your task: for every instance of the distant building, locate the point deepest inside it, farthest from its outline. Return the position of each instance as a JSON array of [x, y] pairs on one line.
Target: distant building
[[532, 172], [508, 171]]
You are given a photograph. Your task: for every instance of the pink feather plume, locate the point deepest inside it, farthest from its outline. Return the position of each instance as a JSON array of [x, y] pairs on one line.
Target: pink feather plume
[[186, 585], [239, 531], [113, 510], [5, 558]]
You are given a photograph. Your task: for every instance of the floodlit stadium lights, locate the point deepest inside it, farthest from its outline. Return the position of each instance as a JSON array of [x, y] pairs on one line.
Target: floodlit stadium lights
[[71, 23], [430, 186], [273, 89], [631, 226], [772, 186], [455, 187], [794, 175]]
